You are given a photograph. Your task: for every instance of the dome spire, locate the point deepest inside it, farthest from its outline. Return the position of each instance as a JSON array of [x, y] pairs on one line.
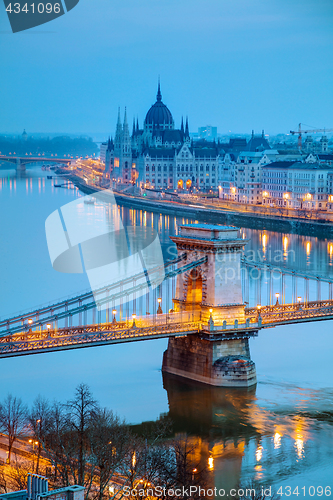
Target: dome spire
[[159, 95]]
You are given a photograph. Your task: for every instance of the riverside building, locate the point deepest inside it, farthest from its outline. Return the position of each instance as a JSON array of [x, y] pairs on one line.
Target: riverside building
[[161, 156], [297, 185]]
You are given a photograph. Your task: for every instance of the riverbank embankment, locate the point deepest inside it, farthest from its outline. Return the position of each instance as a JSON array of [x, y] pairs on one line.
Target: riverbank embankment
[[213, 215]]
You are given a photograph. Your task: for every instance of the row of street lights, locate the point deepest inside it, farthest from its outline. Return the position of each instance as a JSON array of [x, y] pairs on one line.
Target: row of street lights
[[277, 295], [114, 320], [160, 311]]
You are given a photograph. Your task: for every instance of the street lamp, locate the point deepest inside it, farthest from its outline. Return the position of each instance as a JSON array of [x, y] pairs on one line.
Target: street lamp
[[30, 321], [159, 309], [48, 326], [277, 295], [114, 312], [299, 300], [134, 316]]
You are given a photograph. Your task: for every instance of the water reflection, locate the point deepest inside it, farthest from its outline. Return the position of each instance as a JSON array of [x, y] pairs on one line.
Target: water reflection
[[288, 427], [240, 438]]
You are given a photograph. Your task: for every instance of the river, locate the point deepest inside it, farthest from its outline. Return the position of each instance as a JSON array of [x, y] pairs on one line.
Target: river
[[280, 432]]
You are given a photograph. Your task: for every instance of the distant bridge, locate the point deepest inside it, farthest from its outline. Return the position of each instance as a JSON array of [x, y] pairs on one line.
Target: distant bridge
[[21, 161]]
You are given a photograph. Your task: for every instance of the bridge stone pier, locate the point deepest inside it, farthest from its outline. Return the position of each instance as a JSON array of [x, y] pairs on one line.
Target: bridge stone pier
[[20, 165], [218, 355]]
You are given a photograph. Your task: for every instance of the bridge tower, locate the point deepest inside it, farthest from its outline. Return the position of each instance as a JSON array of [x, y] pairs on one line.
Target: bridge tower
[[219, 354]]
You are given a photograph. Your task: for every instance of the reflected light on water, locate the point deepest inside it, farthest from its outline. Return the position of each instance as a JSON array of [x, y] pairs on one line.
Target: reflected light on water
[[264, 242], [299, 442], [211, 463], [277, 440], [259, 472], [285, 242], [330, 250], [259, 453], [308, 248]]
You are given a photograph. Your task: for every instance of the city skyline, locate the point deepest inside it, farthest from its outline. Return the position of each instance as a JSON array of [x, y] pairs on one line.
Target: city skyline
[[236, 66]]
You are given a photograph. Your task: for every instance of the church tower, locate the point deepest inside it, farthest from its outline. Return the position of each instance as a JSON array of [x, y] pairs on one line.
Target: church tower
[[109, 163], [324, 144], [117, 139], [126, 152]]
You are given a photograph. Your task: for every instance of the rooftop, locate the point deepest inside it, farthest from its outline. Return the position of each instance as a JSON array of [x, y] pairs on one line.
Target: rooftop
[[208, 232], [210, 227], [297, 164]]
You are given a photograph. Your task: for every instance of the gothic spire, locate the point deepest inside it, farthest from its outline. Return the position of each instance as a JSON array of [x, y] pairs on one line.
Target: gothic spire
[[137, 124], [119, 121], [187, 132], [159, 95], [182, 126], [133, 131], [125, 120]]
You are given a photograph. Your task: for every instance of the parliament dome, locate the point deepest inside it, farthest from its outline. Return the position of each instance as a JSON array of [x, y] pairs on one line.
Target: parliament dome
[[159, 116]]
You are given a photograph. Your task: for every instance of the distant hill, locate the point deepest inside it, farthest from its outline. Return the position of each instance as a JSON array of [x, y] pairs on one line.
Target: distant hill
[[60, 145]]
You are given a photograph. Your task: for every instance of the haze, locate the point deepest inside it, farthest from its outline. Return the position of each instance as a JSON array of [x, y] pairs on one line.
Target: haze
[[236, 64]]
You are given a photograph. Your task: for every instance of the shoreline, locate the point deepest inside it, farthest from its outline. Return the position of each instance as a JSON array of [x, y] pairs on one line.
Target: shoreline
[[250, 220]]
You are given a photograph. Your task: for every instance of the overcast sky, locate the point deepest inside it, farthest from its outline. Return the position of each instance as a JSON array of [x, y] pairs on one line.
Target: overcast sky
[[236, 64]]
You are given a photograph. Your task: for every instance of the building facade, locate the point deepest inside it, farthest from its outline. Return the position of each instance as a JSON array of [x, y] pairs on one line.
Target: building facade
[[297, 185], [163, 157], [160, 156]]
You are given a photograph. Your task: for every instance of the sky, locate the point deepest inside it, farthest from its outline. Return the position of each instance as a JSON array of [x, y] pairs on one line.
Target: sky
[[240, 65]]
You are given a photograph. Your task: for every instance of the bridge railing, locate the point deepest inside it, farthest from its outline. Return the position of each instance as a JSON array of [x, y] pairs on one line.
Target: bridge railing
[[86, 307], [267, 284]]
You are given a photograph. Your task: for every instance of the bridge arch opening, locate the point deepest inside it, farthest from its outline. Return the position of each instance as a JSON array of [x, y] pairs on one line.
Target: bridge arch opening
[[194, 286]]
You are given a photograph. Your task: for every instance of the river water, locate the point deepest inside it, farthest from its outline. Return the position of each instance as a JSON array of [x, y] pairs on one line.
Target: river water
[[280, 432]]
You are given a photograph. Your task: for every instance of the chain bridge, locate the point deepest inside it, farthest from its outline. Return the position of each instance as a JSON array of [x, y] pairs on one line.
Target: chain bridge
[[211, 302]]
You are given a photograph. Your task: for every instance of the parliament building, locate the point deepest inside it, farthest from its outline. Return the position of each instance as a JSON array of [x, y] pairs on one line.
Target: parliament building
[[160, 156]]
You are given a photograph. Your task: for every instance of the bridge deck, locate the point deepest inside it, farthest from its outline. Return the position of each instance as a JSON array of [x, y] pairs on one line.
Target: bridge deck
[[160, 326]]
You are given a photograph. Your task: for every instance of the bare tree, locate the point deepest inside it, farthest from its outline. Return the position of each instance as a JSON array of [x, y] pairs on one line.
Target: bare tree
[[13, 414], [39, 418], [159, 463], [80, 412], [109, 445], [3, 482], [57, 441], [17, 473]]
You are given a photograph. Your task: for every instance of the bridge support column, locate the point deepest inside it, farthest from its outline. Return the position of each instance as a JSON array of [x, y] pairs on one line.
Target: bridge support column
[[219, 354], [20, 167], [220, 363]]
